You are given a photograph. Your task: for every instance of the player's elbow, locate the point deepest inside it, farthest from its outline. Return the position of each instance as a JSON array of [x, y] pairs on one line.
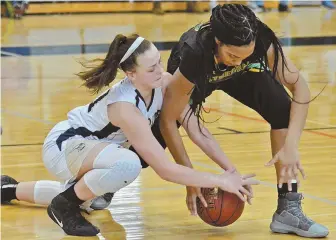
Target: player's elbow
[[301, 90]]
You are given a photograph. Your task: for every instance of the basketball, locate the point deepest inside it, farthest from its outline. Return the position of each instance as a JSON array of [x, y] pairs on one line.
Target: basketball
[[223, 209]]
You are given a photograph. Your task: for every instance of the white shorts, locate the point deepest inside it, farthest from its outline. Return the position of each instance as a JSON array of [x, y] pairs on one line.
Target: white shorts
[[65, 160]]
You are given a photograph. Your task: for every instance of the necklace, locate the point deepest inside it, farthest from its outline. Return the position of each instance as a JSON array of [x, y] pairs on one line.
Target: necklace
[[217, 66]]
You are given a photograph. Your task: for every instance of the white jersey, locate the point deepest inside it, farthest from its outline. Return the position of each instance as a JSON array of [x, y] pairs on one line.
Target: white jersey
[[91, 121]]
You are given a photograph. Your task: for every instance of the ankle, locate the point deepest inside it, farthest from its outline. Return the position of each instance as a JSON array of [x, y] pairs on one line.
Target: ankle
[[71, 195], [284, 189]]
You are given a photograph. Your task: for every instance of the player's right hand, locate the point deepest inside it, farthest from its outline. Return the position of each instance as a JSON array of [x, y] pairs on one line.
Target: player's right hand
[[235, 183]]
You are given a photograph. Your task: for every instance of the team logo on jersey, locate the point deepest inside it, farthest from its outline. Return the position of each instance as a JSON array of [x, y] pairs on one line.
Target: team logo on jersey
[[80, 147], [197, 27], [250, 67]]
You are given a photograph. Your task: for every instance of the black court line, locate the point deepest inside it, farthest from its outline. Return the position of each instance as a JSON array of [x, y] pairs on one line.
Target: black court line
[[162, 46], [253, 132], [232, 131], [22, 144]]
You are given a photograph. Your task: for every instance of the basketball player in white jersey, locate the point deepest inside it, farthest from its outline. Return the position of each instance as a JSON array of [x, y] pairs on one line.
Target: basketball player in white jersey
[[91, 149]]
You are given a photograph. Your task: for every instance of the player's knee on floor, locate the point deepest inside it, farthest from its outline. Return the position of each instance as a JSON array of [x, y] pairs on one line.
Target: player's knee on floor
[[114, 168]]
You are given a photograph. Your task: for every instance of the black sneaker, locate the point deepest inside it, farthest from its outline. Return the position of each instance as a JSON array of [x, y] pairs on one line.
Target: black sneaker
[[283, 7], [67, 216], [102, 202], [8, 188]]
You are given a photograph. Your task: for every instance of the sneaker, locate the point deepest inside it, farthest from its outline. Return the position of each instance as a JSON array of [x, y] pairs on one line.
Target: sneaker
[[8, 186], [283, 7], [67, 215], [102, 202], [289, 218], [328, 4]]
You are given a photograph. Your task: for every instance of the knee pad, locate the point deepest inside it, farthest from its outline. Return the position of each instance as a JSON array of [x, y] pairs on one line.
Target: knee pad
[[45, 191], [112, 154], [117, 172]]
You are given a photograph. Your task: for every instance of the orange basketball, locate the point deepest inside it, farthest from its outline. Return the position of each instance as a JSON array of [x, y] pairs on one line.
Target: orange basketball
[[223, 209]]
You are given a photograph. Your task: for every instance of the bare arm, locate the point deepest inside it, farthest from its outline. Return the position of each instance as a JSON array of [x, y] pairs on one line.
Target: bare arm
[[204, 139], [142, 139], [176, 98], [294, 81]]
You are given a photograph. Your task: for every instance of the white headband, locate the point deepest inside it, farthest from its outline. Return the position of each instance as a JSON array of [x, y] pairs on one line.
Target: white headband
[[132, 48]]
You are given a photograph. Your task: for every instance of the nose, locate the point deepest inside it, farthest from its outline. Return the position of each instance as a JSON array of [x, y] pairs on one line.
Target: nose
[[161, 70]]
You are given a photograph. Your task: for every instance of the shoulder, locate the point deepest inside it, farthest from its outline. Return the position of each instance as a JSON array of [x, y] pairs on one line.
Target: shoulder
[[192, 41], [122, 91]]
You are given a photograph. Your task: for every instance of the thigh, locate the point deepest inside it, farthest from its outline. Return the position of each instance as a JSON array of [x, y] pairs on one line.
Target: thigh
[[66, 162], [262, 93]]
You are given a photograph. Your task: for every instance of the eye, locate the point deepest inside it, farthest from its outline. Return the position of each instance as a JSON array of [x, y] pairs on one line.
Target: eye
[[231, 56]]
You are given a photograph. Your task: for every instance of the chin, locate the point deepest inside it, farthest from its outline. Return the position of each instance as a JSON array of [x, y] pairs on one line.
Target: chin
[[157, 83]]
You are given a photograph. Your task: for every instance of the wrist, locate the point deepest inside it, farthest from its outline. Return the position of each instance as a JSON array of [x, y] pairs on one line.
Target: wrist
[[231, 169], [291, 141]]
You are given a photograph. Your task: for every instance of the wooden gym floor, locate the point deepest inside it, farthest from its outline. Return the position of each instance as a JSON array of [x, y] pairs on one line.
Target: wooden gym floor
[[39, 56]]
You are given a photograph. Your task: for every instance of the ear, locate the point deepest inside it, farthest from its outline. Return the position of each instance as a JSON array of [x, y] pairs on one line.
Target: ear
[[131, 75], [218, 42]]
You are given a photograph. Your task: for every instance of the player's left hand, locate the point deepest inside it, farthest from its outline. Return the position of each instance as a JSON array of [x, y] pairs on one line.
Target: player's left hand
[[192, 194], [289, 160]]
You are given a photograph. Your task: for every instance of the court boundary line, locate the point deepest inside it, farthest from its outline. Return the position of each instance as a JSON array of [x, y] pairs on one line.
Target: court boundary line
[[10, 54], [263, 121]]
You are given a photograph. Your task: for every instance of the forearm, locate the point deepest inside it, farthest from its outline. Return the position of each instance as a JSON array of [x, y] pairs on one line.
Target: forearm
[[172, 172], [190, 177], [298, 112], [211, 148], [201, 136], [174, 142]]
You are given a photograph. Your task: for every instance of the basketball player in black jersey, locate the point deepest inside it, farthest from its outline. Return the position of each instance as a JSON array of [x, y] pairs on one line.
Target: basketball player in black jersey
[[237, 53]]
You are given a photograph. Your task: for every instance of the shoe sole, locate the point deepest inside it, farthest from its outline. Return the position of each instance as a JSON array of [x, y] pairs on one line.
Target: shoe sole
[[95, 206], [279, 227]]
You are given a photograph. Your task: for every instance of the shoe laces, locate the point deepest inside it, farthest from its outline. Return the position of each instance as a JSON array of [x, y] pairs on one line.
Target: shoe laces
[[295, 207]]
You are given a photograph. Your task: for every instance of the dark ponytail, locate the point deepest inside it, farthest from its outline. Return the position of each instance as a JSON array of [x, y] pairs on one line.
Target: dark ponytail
[[101, 75]]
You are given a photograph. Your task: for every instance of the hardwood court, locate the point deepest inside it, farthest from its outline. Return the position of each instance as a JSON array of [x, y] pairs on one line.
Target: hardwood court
[[39, 90]]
